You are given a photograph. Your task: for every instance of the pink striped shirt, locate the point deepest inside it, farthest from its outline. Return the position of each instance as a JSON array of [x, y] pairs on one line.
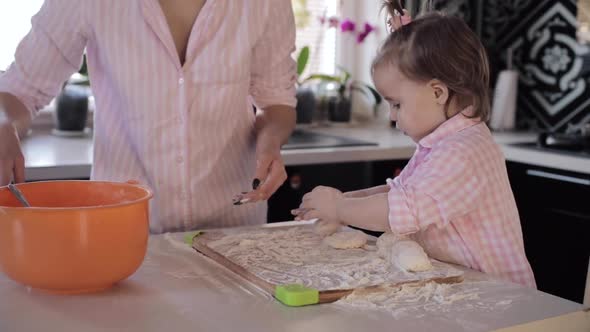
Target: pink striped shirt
[[455, 199], [185, 131]]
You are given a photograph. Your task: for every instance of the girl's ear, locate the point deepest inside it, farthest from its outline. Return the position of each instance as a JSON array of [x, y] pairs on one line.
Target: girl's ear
[[440, 92]]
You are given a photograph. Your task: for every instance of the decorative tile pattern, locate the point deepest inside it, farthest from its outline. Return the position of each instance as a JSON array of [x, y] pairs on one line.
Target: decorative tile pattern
[[554, 87], [468, 10]]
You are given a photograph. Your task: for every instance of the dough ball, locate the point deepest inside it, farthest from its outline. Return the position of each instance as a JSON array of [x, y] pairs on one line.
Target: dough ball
[[409, 256], [384, 244], [324, 228], [346, 240]]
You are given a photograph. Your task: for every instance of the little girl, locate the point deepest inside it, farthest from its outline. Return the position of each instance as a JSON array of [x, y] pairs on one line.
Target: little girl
[[453, 197]]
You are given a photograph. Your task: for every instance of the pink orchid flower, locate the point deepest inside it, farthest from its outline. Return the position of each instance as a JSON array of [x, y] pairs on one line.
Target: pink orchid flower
[[333, 22], [347, 25], [361, 36]]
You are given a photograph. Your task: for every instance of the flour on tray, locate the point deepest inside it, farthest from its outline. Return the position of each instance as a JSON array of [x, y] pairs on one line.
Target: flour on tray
[[297, 255]]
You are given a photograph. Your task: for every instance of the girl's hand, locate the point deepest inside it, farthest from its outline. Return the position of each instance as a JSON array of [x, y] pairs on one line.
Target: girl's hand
[[322, 203]]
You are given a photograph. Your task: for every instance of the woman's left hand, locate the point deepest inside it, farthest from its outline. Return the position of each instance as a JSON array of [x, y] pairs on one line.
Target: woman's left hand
[[322, 203], [272, 127], [270, 172]]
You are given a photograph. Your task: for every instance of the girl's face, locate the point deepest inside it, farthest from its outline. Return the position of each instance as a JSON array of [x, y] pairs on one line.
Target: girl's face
[[414, 106]]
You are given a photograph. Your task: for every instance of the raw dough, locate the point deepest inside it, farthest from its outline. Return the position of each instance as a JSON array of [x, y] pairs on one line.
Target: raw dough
[[409, 256], [324, 228], [346, 240], [384, 244]]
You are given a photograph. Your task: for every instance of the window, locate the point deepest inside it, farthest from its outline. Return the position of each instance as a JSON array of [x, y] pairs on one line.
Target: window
[[310, 32], [15, 23], [331, 48]]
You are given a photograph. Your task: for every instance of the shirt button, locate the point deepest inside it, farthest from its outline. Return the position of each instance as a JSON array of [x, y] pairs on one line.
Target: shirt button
[[180, 159], [181, 81]]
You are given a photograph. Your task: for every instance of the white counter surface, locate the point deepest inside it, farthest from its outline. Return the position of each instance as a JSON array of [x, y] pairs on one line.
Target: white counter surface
[[177, 289], [51, 157]]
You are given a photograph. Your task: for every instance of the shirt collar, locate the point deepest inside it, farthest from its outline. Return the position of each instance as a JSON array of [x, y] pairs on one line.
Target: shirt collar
[[452, 126]]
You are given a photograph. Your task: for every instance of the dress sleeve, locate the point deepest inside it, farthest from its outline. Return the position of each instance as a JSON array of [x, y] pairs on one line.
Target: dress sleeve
[[273, 69], [48, 54], [442, 188]]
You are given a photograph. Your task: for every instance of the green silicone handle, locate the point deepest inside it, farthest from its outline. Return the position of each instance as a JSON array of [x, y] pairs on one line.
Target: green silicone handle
[[188, 237], [296, 295]]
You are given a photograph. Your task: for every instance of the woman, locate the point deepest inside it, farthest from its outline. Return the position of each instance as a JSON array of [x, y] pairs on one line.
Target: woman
[[174, 83]]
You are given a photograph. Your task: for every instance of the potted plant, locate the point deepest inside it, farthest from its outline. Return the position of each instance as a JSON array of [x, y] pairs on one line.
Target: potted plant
[[306, 100], [71, 107], [331, 97], [340, 103]]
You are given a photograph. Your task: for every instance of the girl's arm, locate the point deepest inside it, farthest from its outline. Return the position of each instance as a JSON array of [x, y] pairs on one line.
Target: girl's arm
[[367, 192], [369, 212]]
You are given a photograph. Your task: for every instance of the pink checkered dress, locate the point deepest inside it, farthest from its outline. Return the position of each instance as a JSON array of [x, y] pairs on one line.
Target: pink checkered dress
[[455, 199]]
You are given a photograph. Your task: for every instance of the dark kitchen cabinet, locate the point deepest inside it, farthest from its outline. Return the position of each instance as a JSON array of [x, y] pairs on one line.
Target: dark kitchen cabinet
[[343, 176], [382, 170], [302, 179], [554, 208]]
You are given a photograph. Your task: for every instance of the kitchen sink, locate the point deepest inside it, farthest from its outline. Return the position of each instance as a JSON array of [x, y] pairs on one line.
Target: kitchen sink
[[303, 139]]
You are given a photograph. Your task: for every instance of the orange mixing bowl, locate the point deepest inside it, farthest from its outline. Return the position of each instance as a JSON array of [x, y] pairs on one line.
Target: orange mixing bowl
[[77, 236]]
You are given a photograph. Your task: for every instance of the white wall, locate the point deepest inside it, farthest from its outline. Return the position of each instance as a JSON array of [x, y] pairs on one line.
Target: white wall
[[358, 57]]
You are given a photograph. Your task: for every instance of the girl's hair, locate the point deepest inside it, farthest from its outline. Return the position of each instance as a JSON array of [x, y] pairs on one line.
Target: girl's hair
[[444, 48]]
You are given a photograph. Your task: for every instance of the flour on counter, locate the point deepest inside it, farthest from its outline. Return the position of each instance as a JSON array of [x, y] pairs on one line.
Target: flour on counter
[[297, 255], [418, 299]]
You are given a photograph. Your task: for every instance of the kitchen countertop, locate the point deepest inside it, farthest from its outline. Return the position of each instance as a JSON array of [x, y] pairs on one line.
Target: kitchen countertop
[[51, 157], [177, 289]]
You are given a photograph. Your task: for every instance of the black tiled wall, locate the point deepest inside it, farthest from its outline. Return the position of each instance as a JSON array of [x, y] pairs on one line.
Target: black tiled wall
[[554, 86]]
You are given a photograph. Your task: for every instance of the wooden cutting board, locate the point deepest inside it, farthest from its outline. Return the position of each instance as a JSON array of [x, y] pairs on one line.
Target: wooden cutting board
[[293, 254]]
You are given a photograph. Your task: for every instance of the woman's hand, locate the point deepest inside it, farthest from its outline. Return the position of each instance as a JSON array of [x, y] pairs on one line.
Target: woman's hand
[[273, 127], [12, 162], [270, 173]]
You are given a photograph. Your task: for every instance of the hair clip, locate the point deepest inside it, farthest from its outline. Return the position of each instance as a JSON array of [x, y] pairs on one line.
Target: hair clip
[[404, 19]]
